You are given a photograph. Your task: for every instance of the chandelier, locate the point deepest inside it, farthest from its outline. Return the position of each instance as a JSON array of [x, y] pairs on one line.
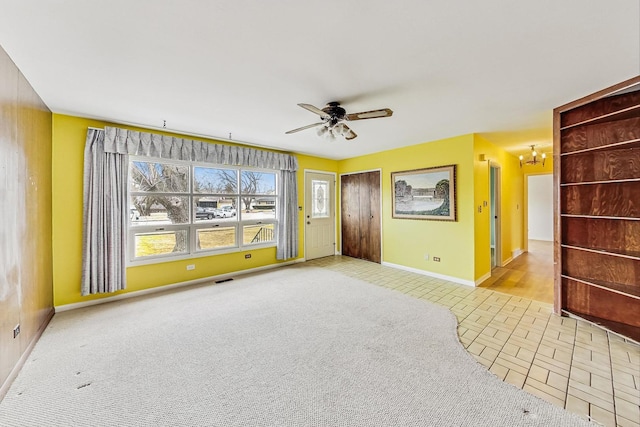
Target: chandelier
[[533, 158]]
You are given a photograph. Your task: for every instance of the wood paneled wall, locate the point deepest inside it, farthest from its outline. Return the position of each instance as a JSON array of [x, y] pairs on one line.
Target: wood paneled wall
[[26, 289]]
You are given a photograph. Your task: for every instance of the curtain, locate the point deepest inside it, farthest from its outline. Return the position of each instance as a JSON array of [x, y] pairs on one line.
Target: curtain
[[104, 220], [136, 143], [129, 142], [288, 208]]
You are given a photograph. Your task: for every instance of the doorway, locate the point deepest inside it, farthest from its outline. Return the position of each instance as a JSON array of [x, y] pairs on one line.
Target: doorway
[[540, 207], [530, 275], [494, 188], [319, 215]]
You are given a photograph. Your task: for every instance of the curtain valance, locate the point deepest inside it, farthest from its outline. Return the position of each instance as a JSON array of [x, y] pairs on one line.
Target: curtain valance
[[135, 143], [106, 205]]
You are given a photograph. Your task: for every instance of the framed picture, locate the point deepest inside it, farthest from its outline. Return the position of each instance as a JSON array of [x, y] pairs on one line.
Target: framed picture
[[425, 193]]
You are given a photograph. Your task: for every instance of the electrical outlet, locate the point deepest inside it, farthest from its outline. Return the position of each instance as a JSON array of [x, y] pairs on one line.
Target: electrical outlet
[[16, 331], [191, 267], [426, 257], [436, 259], [247, 256]]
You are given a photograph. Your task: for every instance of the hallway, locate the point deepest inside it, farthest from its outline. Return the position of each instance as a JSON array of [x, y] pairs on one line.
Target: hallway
[[528, 276]]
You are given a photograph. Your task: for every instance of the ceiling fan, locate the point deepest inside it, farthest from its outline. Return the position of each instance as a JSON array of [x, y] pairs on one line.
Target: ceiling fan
[[333, 116]]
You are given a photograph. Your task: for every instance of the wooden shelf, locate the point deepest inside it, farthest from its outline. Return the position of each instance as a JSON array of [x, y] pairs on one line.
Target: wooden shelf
[[585, 297], [608, 286], [599, 217], [603, 234], [624, 254], [601, 268], [607, 108], [607, 199], [613, 181], [601, 166], [627, 113], [629, 143], [597, 231]]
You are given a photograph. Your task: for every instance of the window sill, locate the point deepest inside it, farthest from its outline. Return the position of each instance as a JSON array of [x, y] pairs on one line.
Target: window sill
[[203, 254]]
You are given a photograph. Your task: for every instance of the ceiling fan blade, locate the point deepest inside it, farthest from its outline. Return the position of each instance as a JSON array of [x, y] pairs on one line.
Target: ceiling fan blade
[[373, 114], [348, 133], [304, 127], [315, 110]]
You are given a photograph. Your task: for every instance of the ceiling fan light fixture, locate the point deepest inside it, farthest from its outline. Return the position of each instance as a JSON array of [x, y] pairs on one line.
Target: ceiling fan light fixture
[[332, 116], [322, 130]]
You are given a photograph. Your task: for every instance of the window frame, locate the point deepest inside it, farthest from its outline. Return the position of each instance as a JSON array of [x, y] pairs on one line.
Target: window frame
[[193, 225]]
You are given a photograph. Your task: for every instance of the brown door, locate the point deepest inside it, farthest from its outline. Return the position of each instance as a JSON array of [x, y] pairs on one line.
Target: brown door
[[350, 214], [360, 197]]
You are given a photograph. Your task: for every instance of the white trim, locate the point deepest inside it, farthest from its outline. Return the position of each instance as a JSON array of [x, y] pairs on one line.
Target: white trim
[[482, 279], [431, 274], [73, 306], [497, 206], [514, 254], [192, 227], [363, 171]]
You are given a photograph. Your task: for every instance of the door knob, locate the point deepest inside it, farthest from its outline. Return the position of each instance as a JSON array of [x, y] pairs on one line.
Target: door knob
[[308, 222]]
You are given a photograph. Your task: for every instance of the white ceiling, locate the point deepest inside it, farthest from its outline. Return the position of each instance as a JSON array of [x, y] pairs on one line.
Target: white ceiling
[[215, 68]]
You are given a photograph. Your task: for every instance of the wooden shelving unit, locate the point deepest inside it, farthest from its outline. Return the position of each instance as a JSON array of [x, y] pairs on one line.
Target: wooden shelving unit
[[597, 208]]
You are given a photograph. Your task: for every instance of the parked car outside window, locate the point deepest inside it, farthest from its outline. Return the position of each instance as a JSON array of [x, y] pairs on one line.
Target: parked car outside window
[[205, 213], [226, 212]]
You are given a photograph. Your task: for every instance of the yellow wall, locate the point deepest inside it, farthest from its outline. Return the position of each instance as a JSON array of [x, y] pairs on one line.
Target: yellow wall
[[462, 246], [405, 241], [511, 207], [69, 135]]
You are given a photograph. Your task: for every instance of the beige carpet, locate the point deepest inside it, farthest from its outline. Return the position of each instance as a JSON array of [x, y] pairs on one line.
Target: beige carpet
[[298, 346]]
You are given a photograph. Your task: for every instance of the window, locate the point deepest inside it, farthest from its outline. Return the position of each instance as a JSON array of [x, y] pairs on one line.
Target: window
[[183, 209], [320, 199]]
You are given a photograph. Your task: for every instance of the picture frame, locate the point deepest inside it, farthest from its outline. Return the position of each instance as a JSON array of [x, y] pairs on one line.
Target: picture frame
[[428, 193]]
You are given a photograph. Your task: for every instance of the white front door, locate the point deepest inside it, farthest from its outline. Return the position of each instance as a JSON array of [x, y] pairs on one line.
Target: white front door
[[319, 215]]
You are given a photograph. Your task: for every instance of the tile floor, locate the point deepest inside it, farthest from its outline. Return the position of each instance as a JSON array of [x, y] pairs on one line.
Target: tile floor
[[568, 362]]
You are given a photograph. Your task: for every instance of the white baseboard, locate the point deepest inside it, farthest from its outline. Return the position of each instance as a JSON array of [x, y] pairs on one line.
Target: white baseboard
[[431, 274], [515, 254], [482, 279], [76, 305]]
